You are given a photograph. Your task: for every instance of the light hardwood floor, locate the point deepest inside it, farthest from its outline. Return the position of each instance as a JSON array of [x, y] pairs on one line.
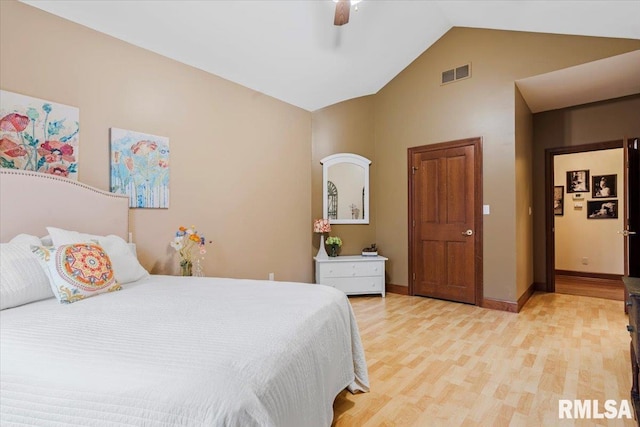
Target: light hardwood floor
[[590, 287], [438, 363]]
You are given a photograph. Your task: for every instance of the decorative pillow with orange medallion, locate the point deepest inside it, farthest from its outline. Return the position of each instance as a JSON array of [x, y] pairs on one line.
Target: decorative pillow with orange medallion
[[77, 271]]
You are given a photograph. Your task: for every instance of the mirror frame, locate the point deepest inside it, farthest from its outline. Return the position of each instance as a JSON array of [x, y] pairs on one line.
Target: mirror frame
[[357, 160]]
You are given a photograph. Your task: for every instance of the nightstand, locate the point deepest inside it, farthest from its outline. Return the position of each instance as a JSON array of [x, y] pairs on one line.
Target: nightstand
[[354, 275]]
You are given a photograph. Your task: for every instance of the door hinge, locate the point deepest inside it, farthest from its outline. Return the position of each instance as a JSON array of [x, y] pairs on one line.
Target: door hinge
[[414, 277], [414, 169], [414, 222]]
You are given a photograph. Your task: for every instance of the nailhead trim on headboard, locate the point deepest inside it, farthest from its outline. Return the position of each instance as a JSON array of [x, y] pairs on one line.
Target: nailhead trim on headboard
[[5, 171]]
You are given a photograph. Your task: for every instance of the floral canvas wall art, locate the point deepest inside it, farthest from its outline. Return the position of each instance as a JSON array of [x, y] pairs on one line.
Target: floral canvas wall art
[[140, 168], [38, 135]]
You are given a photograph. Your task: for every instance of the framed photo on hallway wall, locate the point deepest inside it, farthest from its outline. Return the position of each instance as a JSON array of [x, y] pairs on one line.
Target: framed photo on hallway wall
[[558, 200], [604, 186], [602, 209], [578, 181]]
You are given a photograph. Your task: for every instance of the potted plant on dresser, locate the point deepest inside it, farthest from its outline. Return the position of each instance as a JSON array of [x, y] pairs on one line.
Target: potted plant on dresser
[[334, 243]]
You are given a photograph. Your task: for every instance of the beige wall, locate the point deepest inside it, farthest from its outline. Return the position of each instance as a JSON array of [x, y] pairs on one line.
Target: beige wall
[[239, 159], [598, 122], [346, 127], [576, 236], [524, 194], [414, 109]]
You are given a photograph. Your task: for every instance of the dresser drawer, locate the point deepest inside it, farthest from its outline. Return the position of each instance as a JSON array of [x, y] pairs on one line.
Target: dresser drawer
[[357, 285], [632, 287], [352, 269], [634, 310]]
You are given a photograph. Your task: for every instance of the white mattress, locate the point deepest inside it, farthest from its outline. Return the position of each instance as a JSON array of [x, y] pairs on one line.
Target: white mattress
[[175, 351]]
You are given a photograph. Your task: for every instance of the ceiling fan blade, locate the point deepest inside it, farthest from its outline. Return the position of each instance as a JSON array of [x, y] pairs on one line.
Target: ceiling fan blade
[[342, 12]]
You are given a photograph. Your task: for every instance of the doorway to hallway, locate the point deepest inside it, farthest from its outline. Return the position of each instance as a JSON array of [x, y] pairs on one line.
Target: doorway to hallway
[[585, 216]]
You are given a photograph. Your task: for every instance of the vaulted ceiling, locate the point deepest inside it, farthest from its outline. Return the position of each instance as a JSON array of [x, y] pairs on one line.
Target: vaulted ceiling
[[290, 49]]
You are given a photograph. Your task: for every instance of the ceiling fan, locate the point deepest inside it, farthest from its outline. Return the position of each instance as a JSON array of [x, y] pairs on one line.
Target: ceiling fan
[[343, 7]]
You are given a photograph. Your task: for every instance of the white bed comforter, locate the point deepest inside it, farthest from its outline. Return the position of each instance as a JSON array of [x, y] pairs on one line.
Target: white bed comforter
[[175, 351]]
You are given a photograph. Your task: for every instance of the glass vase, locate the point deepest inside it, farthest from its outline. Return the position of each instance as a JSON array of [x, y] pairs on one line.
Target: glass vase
[[197, 269], [186, 268], [333, 250]]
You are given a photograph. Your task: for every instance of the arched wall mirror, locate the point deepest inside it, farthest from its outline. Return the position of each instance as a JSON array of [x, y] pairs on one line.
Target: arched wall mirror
[[345, 188]]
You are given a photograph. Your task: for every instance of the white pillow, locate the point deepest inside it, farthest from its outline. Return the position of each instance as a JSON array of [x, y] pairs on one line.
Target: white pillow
[[22, 280], [125, 264], [29, 239]]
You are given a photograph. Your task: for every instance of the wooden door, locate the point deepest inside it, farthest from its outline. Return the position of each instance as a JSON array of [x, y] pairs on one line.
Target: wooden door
[[631, 230], [444, 224]]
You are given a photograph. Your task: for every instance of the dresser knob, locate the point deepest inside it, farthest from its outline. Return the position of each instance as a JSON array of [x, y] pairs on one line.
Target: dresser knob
[[629, 328]]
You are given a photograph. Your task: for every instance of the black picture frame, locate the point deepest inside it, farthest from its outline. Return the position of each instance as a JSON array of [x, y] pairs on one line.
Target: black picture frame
[[604, 186], [558, 200], [578, 181], [602, 209]]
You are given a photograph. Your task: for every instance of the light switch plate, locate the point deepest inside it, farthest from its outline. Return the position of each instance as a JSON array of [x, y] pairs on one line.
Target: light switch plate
[[486, 209]]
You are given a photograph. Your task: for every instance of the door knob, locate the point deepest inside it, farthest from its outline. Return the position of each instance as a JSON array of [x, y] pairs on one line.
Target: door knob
[[626, 233], [469, 232]]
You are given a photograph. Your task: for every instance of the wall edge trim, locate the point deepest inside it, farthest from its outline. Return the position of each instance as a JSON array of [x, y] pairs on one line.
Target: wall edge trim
[[397, 289]]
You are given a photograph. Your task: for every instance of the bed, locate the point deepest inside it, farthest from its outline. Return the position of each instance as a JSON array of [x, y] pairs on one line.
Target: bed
[[167, 350]]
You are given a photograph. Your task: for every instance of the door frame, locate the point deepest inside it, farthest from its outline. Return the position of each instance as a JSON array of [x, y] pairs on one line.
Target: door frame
[[476, 142], [632, 202], [550, 240]]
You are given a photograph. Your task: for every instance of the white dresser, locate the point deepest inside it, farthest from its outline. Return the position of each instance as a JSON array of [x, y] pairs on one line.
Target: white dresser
[[354, 275]]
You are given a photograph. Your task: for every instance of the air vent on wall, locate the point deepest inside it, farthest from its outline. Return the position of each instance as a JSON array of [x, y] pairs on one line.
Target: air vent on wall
[[448, 76], [455, 74]]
